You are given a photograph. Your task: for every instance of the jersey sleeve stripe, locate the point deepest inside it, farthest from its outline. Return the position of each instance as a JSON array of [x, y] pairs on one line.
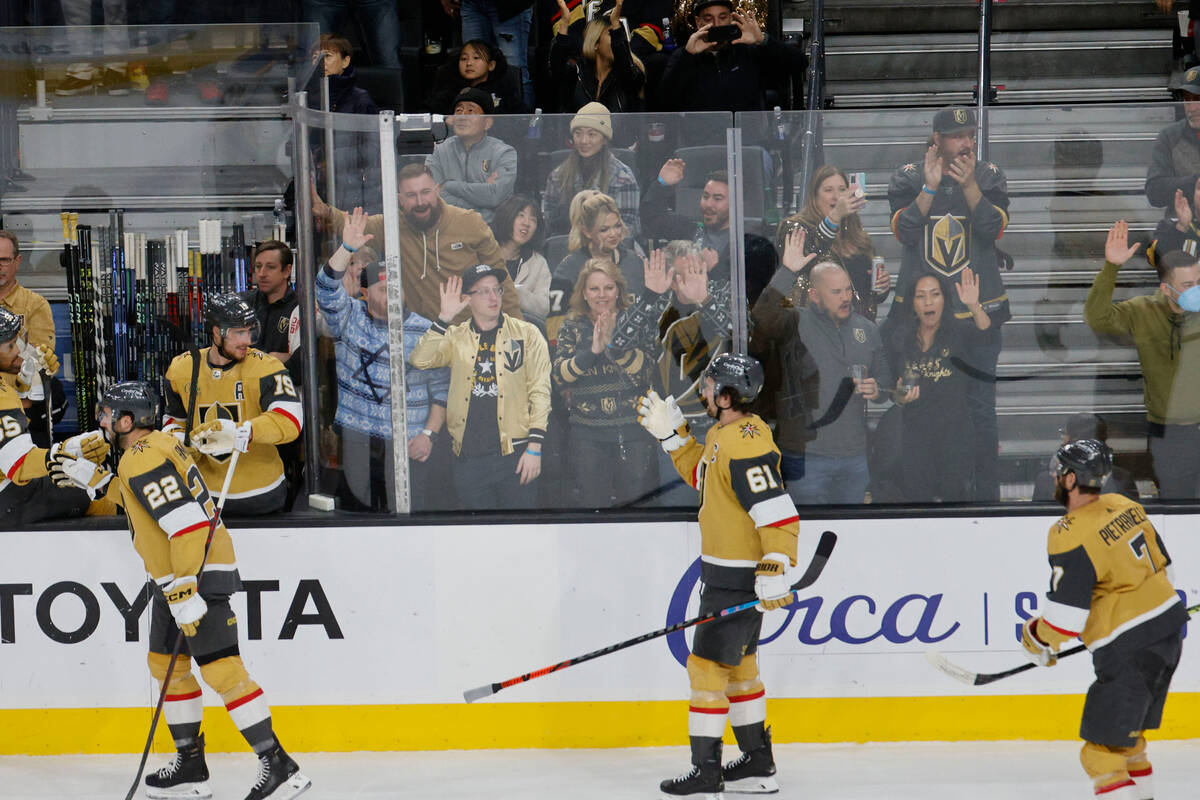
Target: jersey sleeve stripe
[[777, 510], [199, 526], [1067, 620], [12, 454], [291, 411]]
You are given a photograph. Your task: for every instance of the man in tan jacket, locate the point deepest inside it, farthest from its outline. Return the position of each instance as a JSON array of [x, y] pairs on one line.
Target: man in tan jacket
[[499, 398], [437, 241]]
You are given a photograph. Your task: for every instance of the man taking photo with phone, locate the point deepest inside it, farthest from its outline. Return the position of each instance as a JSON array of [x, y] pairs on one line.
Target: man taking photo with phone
[[725, 63]]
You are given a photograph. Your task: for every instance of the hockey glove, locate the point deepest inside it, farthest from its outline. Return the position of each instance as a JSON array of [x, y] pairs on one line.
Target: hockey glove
[[91, 446], [221, 437], [771, 582], [67, 472], [1038, 651], [664, 420], [186, 604]]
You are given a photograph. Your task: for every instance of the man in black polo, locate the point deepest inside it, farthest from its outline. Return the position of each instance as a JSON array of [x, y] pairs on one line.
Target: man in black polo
[[274, 301]]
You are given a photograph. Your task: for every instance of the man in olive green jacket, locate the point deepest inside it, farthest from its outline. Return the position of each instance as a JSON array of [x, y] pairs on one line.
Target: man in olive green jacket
[[1168, 344]]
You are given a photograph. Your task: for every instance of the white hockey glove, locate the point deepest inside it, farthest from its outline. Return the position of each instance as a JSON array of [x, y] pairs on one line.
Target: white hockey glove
[[67, 472], [771, 582], [186, 604], [663, 419], [34, 359], [1038, 651], [221, 437], [91, 446]]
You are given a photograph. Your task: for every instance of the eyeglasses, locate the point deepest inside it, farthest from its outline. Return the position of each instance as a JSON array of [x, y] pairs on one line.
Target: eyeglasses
[[7, 262], [488, 291]]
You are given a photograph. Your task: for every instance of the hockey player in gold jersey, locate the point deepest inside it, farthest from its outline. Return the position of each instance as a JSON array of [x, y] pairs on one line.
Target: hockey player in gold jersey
[[237, 397], [1110, 585], [169, 511], [748, 530]]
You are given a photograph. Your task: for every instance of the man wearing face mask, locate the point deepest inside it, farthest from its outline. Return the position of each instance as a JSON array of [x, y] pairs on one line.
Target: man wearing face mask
[[1111, 586], [1165, 328]]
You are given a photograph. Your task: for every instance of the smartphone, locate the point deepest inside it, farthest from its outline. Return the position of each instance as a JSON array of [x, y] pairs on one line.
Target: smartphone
[[724, 33], [858, 183]]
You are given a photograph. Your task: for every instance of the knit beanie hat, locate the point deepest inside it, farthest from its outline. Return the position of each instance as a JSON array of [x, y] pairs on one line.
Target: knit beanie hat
[[595, 116]]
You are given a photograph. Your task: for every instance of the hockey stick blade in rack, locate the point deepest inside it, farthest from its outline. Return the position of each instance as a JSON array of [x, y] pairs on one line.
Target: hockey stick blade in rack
[[964, 675], [824, 548]]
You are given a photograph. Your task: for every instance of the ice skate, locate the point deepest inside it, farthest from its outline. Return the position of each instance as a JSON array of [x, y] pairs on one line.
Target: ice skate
[[185, 778], [752, 772], [703, 782], [279, 777]]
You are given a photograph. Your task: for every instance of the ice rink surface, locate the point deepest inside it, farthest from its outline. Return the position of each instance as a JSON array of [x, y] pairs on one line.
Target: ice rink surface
[[905, 771]]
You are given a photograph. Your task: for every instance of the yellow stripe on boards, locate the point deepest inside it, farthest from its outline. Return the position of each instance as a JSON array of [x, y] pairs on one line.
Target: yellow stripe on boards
[[484, 725]]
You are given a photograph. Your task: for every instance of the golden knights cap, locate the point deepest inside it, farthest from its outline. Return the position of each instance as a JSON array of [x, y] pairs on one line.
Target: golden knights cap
[[954, 119], [1190, 82]]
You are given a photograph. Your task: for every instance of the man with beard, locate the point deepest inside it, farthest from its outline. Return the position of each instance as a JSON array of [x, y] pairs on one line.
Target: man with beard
[[835, 359], [437, 241], [1111, 586], [948, 213], [748, 540], [710, 232], [1165, 328], [237, 397], [1175, 159], [474, 170]]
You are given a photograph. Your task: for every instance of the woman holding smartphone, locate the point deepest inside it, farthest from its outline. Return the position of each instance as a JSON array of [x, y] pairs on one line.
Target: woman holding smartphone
[[834, 232]]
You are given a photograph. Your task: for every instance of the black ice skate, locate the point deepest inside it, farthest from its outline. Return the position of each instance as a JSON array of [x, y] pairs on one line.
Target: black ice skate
[[752, 772], [279, 777], [703, 783], [185, 778]]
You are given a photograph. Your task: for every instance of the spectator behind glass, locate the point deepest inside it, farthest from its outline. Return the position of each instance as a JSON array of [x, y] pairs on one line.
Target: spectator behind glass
[[1180, 233], [597, 231], [834, 232], [474, 170], [724, 76], [948, 212], [1167, 337], [1085, 426], [605, 71], [612, 462], [364, 408], [378, 19], [344, 96], [710, 232], [1175, 160], [499, 400], [477, 65], [933, 353], [591, 165], [504, 24], [517, 226]]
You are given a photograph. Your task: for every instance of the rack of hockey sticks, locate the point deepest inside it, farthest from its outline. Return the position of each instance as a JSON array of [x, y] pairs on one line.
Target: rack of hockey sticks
[[135, 302]]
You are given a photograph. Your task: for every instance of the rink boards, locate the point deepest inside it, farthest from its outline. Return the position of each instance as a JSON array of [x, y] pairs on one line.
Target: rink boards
[[365, 638]]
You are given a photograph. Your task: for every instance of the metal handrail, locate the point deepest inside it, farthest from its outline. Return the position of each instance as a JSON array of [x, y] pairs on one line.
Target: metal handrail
[[983, 89]]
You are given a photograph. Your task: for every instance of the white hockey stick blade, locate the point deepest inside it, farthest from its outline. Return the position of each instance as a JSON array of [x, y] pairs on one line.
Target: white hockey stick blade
[[940, 662], [478, 693]]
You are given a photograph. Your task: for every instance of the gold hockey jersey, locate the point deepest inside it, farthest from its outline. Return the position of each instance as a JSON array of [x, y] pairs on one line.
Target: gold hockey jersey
[[1108, 578], [169, 510], [258, 389], [745, 512], [20, 461]]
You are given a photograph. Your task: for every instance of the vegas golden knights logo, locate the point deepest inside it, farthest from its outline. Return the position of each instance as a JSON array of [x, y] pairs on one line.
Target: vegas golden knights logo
[[960, 116], [948, 245]]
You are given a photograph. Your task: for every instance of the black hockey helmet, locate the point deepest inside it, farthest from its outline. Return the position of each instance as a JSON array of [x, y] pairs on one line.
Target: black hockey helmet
[[225, 311], [135, 398], [10, 325], [740, 374], [1089, 459]]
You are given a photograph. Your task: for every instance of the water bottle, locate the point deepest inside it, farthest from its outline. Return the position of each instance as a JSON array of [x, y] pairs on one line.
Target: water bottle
[[534, 131], [668, 39]]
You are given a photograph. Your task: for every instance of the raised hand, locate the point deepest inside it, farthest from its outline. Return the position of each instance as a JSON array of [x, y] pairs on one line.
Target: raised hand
[[353, 231], [968, 288], [452, 300], [691, 285], [933, 167], [615, 15], [320, 208], [1116, 249], [793, 250], [564, 19], [602, 330], [751, 33], [698, 42], [450, 7], [848, 203], [672, 171], [1183, 211], [656, 275], [962, 169]]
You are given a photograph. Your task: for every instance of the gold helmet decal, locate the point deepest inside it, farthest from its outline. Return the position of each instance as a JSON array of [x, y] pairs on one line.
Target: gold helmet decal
[[947, 245]]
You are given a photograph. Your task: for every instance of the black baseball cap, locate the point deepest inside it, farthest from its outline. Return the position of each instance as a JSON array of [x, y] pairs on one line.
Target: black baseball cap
[[954, 119], [373, 273], [477, 273], [477, 96], [1190, 82], [700, 5]]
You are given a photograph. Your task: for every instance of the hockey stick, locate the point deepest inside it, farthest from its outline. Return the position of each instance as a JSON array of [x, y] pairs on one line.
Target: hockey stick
[[964, 675], [162, 693], [824, 548]]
